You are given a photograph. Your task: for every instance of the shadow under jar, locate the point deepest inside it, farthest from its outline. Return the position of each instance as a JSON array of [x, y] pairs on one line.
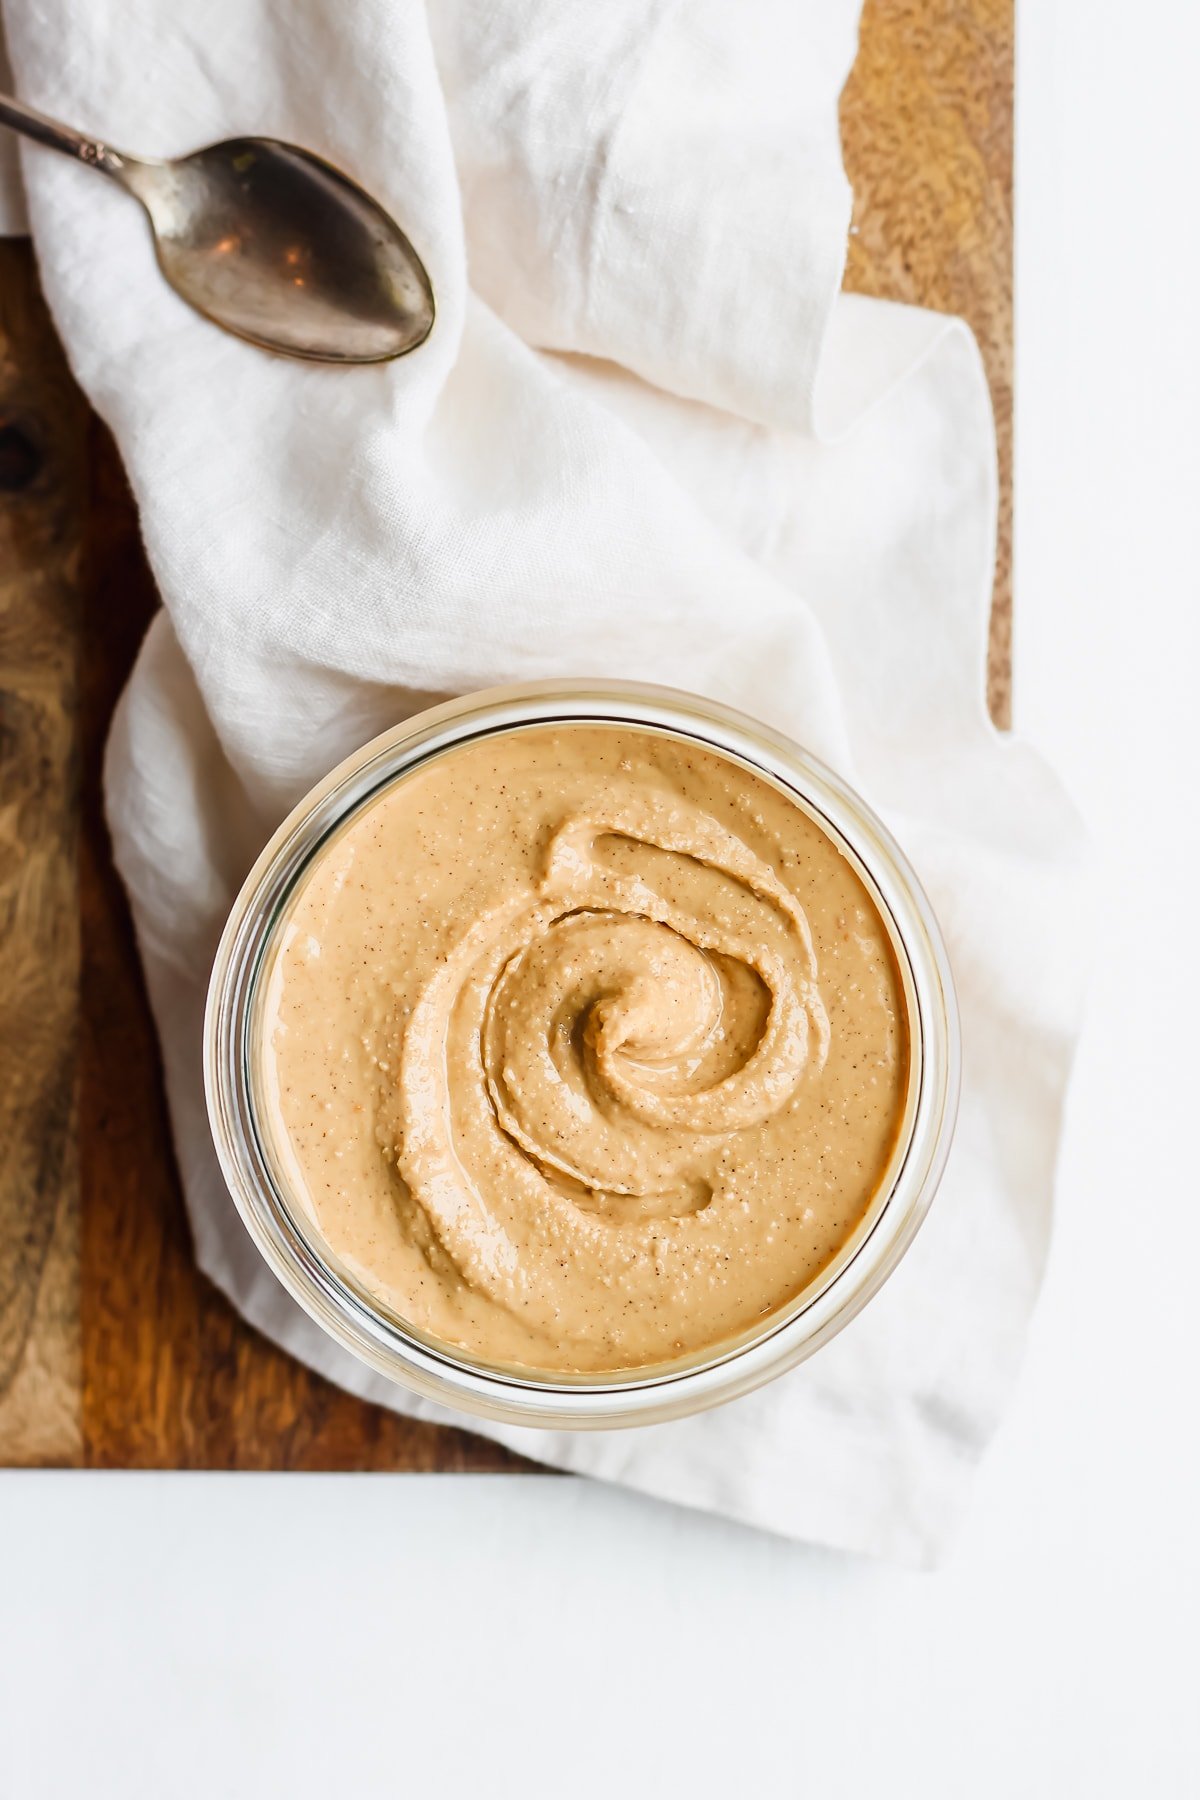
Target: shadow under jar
[[581, 1054]]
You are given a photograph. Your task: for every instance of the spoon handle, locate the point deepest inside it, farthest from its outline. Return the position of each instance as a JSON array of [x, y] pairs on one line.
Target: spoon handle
[[43, 130]]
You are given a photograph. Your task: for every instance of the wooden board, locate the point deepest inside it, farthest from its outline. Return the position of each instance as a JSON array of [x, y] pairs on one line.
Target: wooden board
[[114, 1352], [42, 487], [927, 134]]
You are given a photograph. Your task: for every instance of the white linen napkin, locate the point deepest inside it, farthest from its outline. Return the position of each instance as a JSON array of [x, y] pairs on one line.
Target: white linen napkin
[[646, 439]]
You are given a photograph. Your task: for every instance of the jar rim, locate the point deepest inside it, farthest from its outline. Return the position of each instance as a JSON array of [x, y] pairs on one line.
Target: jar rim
[[330, 1294]]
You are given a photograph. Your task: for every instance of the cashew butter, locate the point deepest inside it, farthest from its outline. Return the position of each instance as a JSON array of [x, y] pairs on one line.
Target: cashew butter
[[584, 1047]]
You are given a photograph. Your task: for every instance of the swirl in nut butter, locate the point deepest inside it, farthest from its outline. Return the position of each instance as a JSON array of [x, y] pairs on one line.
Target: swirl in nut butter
[[584, 1048]]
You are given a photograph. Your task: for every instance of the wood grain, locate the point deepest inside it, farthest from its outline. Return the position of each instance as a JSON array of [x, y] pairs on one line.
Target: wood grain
[[927, 136], [114, 1351], [42, 426]]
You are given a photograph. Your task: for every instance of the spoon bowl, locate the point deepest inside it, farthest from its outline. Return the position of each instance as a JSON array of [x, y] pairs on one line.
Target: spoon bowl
[[280, 247], [270, 242]]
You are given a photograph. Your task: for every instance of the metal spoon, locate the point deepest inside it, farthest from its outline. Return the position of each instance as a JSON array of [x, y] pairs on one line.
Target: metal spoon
[[269, 242]]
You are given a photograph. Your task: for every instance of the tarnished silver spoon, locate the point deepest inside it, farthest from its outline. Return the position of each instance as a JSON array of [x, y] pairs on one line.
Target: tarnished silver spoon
[[269, 242]]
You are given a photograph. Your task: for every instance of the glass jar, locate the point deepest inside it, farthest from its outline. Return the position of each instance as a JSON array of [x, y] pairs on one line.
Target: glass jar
[[290, 1240]]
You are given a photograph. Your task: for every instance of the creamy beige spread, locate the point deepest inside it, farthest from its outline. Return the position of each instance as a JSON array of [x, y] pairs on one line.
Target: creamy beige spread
[[584, 1047]]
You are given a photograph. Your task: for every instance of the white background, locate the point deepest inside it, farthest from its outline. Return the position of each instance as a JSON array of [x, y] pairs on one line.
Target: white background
[[171, 1636]]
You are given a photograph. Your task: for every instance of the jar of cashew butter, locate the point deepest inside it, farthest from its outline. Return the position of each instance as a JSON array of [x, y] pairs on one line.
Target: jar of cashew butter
[[581, 1054]]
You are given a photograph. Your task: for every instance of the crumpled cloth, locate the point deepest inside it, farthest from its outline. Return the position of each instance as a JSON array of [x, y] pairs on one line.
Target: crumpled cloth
[[648, 438]]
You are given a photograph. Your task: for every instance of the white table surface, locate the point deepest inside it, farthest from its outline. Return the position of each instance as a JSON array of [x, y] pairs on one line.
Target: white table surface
[[208, 1635]]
